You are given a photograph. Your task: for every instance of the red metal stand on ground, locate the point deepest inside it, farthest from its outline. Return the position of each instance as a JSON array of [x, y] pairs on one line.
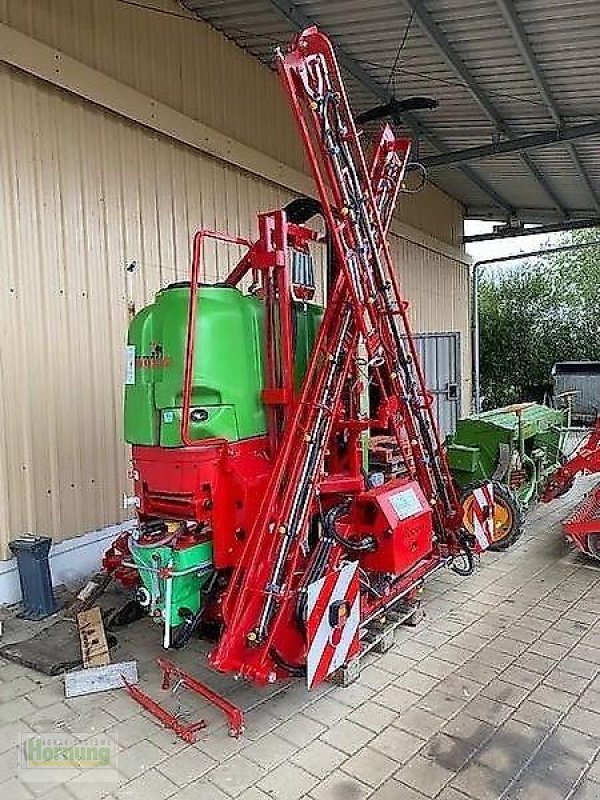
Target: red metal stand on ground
[[171, 672], [235, 715], [169, 720]]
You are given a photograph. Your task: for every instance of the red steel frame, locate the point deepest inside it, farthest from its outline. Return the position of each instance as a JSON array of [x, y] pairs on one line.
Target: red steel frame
[[187, 732], [260, 635], [586, 459], [199, 239], [583, 526], [308, 67]]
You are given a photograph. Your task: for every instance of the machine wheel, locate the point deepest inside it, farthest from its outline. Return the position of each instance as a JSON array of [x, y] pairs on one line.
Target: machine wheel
[[508, 516]]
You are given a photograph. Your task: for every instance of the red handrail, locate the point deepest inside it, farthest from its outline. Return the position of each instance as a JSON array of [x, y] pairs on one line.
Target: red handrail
[[199, 238]]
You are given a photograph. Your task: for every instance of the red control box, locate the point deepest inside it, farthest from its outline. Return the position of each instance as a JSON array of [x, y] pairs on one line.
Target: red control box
[[399, 518]]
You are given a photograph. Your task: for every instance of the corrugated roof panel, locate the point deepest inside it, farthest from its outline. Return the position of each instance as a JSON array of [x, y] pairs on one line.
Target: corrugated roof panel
[[564, 36]]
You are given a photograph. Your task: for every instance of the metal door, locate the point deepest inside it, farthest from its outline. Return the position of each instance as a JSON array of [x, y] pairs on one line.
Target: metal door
[[439, 354]]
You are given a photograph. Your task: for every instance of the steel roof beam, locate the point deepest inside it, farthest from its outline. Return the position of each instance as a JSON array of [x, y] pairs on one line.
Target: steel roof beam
[[519, 34], [442, 44], [300, 21], [510, 233], [529, 214], [517, 145]]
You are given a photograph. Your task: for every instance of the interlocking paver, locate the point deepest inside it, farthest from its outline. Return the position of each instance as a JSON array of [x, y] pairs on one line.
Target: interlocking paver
[[442, 703], [587, 790], [347, 736], [487, 710], [14, 789], [236, 774], [505, 692], [418, 682], [370, 766], [552, 698], [301, 730], [340, 785], [140, 757], [535, 714], [288, 782], [269, 751], [150, 784], [394, 790], [583, 720], [373, 716], [479, 782], [419, 722], [202, 790], [394, 696], [424, 775], [186, 766], [436, 667], [319, 758], [510, 747], [397, 744], [577, 666]]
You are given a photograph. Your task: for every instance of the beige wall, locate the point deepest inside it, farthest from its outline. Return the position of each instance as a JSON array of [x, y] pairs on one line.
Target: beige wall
[[85, 191]]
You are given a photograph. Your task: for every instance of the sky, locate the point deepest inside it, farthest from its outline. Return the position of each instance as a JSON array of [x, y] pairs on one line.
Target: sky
[[504, 247]]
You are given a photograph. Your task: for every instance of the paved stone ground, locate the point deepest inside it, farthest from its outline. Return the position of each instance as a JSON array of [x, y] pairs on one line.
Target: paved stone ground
[[495, 695]]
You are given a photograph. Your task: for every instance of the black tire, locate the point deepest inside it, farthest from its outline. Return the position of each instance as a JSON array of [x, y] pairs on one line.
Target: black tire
[[512, 528], [465, 557]]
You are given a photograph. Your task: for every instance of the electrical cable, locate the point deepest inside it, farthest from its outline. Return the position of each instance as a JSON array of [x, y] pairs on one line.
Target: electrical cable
[[400, 48]]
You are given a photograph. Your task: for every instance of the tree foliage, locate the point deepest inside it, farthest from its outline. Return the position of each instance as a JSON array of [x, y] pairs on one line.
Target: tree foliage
[[536, 314]]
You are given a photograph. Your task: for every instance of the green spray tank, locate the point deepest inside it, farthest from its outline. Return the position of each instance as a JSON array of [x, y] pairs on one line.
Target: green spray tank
[[228, 370], [227, 383]]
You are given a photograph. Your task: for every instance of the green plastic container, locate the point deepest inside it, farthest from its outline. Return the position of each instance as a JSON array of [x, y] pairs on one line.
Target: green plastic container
[[185, 589], [228, 374]]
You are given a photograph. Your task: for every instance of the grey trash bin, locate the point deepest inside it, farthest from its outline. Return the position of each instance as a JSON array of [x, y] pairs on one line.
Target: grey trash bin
[[31, 553]]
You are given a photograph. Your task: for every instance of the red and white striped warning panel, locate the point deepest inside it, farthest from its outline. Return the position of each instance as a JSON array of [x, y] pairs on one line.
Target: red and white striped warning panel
[[483, 515], [333, 618]]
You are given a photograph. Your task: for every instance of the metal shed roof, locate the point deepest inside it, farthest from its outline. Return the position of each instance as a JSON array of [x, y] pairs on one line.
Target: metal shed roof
[[501, 70]]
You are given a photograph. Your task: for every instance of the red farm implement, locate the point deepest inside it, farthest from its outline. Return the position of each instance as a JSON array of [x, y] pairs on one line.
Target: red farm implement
[[259, 513], [582, 528]]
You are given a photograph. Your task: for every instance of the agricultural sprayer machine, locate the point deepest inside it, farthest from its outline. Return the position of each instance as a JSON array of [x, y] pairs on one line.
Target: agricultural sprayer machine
[[258, 514]]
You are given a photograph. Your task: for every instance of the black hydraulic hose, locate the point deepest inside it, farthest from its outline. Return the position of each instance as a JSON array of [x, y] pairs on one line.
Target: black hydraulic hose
[[467, 554], [367, 543], [296, 670], [300, 502], [184, 632], [319, 561]]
